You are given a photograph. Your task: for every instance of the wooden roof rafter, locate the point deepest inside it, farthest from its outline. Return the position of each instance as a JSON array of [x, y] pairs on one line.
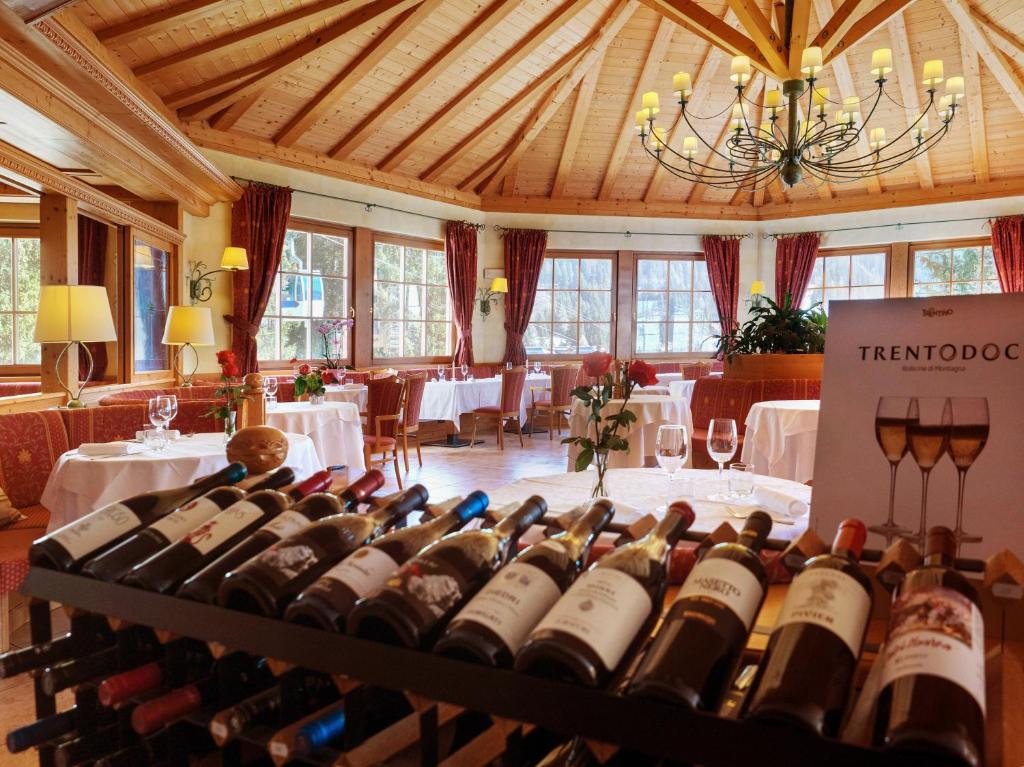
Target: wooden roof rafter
[[577, 122], [797, 36], [865, 26], [760, 29], [904, 65], [975, 108], [837, 25], [1002, 38], [150, 23]]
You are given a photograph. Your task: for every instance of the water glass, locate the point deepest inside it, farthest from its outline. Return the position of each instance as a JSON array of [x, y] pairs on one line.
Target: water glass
[[722, 442], [536, 367], [154, 439], [174, 408], [440, 372], [465, 371], [159, 411], [508, 365], [270, 385], [671, 448], [741, 479]]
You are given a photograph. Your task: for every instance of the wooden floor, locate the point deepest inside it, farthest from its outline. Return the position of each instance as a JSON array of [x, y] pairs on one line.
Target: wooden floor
[[446, 472]]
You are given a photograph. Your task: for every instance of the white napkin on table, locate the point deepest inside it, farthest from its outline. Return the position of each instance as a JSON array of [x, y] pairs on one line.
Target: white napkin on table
[[172, 434], [778, 502], [109, 448], [354, 386]]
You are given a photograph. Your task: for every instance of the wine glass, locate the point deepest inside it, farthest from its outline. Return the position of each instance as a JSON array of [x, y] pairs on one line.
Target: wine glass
[[671, 448], [159, 413], [465, 370], [929, 420], [440, 372], [967, 438], [508, 365], [722, 441], [174, 408], [270, 387], [891, 433], [536, 367]]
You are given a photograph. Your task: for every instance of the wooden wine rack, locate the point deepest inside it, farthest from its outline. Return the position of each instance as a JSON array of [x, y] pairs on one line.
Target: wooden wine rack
[[441, 688]]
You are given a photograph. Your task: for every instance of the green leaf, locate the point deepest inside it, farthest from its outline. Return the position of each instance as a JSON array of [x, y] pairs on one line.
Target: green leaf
[[618, 443], [583, 459]]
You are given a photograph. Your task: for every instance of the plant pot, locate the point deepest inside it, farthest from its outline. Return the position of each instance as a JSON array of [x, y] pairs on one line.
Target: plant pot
[[759, 367], [316, 399]]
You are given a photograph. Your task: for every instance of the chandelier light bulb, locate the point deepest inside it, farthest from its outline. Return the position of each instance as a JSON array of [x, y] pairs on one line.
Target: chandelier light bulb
[[877, 139], [681, 84], [932, 73], [658, 139], [649, 102], [955, 88], [641, 121], [881, 62], [820, 99], [737, 117], [921, 126], [811, 61], [773, 101], [946, 108], [690, 147], [740, 70]]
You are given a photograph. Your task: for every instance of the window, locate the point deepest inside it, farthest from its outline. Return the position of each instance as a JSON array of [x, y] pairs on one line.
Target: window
[[957, 270], [842, 275], [675, 311], [151, 285], [572, 311], [19, 298], [312, 285], [412, 314]]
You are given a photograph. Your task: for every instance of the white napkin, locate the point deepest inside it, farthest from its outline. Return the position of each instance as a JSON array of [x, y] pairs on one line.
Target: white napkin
[[776, 501], [354, 386], [172, 434], [109, 448]]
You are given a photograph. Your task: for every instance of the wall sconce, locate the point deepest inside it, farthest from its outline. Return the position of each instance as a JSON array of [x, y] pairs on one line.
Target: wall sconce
[[487, 296], [188, 327], [757, 288], [200, 286]]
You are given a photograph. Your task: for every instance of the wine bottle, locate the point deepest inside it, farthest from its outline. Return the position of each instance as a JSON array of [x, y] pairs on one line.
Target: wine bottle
[[268, 582], [202, 587], [87, 747], [933, 678], [313, 735], [328, 600], [609, 609], [417, 601], [95, 667], [273, 481], [165, 570], [700, 644], [168, 746], [493, 625], [37, 656], [49, 728], [573, 753], [806, 672], [143, 680], [65, 549]]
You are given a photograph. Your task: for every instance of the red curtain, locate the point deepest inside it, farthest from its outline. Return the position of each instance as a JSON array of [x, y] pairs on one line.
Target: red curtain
[[460, 258], [794, 265], [722, 255], [524, 257], [259, 221], [1008, 249], [92, 270]]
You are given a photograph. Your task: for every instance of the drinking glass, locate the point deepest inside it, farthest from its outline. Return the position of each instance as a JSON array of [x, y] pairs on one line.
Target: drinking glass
[[174, 407], [270, 387], [722, 441], [891, 433], [154, 439], [440, 372], [465, 371], [159, 413], [508, 365], [929, 420], [671, 448], [967, 437], [536, 367], [741, 479]]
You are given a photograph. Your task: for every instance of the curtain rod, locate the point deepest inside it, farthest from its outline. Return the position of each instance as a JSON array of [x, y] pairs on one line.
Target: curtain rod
[[628, 233], [898, 226]]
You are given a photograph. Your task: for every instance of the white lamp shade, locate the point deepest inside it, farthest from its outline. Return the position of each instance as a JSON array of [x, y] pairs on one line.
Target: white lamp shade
[[234, 259], [499, 285], [189, 325], [74, 313]]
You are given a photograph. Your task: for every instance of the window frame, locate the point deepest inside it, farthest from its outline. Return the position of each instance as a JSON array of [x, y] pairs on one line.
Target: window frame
[[634, 325], [17, 231], [953, 244], [126, 320], [861, 250], [405, 241]]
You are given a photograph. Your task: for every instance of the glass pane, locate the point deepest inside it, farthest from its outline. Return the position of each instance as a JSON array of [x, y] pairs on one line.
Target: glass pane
[[294, 255], [438, 339], [966, 264], [837, 271], [650, 274], [679, 307], [6, 288], [811, 297], [989, 264], [545, 280], [335, 302], [27, 298], [595, 305], [566, 305], [436, 270], [437, 303], [595, 336], [27, 352], [932, 266], [700, 276], [537, 339], [6, 340], [329, 255], [869, 291], [564, 338], [266, 339], [541, 307], [414, 266], [296, 295], [150, 278], [992, 286], [868, 269], [413, 303], [413, 337], [295, 339], [818, 274], [567, 273], [680, 275], [387, 339], [274, 303], [649, 338], [704, 336], [679, 337], [651, 306], [387, 301], [704, 308], [835, 294], [966, 288], [387, 262], [596, 273], [931, 289]]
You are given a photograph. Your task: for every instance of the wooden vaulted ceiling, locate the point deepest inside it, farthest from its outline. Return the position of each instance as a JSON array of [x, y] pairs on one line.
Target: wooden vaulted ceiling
[[527, 105]]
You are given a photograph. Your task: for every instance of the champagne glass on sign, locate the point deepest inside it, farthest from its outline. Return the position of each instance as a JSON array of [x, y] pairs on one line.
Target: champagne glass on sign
[[891, 433], [671, 448], [465, 370], [929, 420], [722, 441], [967, 438]]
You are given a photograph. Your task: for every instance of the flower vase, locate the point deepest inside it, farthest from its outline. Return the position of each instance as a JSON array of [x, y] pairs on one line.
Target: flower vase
[[601, 466], [316, 399], [230, 425]]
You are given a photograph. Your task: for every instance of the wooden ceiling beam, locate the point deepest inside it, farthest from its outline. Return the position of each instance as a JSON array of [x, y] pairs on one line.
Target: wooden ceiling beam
[[760, 30], [226, 120], [147, 24], [798, 37], [505, 63], [904, 65], [862, 28], [627, 131], [485, 171], [975, 109], [1003, 39], [577, 121], [319, 106], [474, 32], [281, 63], [837, 25]]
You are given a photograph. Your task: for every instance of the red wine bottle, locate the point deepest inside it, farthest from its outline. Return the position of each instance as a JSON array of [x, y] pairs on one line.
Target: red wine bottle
[[328, 600], [202, 587], [608, 611], [168, 568], [86, 640], [495, 623], [146, 679], [93, 668], [67, 548], [806, 673], [933, 678], [412, 606], [700, 644], [273, 481], [268, 582]]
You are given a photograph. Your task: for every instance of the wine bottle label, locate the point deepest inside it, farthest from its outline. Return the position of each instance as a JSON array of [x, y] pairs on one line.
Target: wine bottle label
[[363, 571], [178, 524], [214, 532], [937, 631], [604, 609], [92, 531], [830, 599], [512, 603], [286, 523], [729, 584]]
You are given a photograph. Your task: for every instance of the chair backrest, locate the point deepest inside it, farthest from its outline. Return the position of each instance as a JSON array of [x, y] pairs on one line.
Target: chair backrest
[[380, 373], [715, 397], [414, 385], [563, 381], [183, 393], [693, 370], [788, 388], [383, 398], [30, 444], [13, 388], [512, 382], [114, 422]]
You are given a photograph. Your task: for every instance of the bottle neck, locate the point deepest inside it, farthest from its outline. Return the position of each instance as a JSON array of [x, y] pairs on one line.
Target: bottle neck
[[413, 498], [940, 548], [670, 529], [360, 490], [229, 475], [317, 483], [581, 536], [940, 559], [277, 480], [751, 539], [516, 523]]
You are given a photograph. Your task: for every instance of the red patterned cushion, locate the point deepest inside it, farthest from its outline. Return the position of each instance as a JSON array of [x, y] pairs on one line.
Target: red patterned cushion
[[715, 397], [12, 388], [384, 443], [36, 518], [193, 419], [105, 424], [487, 410], [30, 444], [542, 403]]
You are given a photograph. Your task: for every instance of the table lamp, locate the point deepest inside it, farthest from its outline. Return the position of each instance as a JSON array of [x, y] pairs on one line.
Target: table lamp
[[74, 314], [487, 296], [188, 327], [200, 286]]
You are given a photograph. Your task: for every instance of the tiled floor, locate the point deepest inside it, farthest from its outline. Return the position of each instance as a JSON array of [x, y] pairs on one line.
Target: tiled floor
[[446, 472]]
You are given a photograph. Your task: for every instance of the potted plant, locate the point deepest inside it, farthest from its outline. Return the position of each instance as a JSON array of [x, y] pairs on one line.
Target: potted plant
[[311, 383], [778, 341], [231, 391], [332, 334]]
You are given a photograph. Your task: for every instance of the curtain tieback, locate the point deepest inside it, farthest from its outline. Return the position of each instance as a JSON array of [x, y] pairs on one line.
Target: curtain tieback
[[242, 325]]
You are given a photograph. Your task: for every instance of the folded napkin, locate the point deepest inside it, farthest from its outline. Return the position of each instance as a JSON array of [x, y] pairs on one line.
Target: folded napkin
[[109, 448], [171, 434], [778, 502]]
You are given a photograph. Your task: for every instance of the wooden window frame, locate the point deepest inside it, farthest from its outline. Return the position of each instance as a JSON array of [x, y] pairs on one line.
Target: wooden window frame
[[862, 250], [26, 231], [967, 242], [125, 320], [635, 302]]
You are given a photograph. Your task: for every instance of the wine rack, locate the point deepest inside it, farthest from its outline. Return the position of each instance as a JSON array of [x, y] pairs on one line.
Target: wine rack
[[441, 688]]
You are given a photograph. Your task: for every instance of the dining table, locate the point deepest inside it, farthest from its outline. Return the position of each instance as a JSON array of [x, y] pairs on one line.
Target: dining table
[[448, 400], [781, 437], [352, 392], [334, 427], [651, 410]]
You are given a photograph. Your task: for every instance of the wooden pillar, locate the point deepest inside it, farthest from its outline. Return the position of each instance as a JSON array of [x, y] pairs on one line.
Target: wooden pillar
[[899, 284], [362, 296], [624, 306], [58, 251]]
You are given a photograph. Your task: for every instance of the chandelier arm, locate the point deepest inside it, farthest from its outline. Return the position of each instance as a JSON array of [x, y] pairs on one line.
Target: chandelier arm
[[886, 162], [700, 138]]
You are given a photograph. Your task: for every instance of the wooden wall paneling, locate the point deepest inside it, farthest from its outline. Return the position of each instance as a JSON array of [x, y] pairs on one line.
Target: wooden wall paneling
[[580, 110], [994, 59], [362, 296], [58, 261], [1001, 37], [898, 280], [624, 308], [862, 28], [904, 66], [974, 104], [149, 23]]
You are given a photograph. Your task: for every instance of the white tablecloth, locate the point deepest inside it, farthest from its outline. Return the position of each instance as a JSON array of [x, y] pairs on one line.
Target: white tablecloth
[[651, 412], [780, 438], [447, 400], [667, 378], [81, 484], [334, 427], [346, 393], [681, 389], [648, 491]]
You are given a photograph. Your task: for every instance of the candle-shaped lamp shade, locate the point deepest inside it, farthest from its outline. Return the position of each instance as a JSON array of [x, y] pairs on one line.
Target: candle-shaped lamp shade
[[737, 117], [234, 259], [189, 325], [690, 147], [932, 73], [641, 121], [946, 108], [955, 88], [740, 70], [773, 100], [499, 285], [877, 138], [74, 313], [681, 84], [881, 62], [811, 61], [921, 126], [649, 102], [658, 139]]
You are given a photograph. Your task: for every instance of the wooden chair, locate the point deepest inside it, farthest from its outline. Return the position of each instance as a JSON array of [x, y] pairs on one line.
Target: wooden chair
[[410, 424], [693, 370], [558, 400], [384, 400], [509, 401]]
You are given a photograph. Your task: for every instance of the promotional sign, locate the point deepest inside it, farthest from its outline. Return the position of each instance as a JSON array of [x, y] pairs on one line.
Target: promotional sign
[[922, 420]]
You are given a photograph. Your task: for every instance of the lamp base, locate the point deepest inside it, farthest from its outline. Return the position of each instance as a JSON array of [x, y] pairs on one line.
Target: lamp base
[[74, 403], [185, 384]]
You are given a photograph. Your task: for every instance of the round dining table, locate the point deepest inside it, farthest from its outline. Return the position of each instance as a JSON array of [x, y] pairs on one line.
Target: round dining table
[[334, 428], [355, 393], [651, 410], [781, 438]]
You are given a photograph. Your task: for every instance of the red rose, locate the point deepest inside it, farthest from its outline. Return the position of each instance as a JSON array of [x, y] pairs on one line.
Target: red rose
[[231, 370], [225, 356], [597, 364], [327, 377], [642, 374], [304, 370], [293, 360]]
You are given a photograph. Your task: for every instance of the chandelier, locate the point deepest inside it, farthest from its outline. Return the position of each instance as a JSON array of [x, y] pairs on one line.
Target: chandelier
[[826, 147]]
